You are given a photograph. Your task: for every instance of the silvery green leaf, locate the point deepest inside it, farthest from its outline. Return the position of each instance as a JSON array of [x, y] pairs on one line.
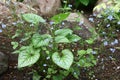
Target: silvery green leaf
[[64, 61]]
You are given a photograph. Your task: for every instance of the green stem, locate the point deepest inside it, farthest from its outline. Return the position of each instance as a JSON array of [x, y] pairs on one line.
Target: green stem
[[55, 45]]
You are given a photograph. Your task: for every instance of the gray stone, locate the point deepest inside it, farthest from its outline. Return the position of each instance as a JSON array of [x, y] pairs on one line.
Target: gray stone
[[45, 7], [4, 11], [18, 7], [75, 19]]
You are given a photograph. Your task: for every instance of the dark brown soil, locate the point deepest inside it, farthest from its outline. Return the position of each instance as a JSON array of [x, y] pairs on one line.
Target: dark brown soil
[[12, 73]]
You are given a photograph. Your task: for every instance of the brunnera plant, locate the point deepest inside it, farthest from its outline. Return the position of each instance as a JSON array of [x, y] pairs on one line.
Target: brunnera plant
[[110, 18], [52, 51]]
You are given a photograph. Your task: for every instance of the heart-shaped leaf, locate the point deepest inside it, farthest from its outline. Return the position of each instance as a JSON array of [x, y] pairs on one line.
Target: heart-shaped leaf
[[64, 61], [61, 39], [33, 18], [41, 40], [73, 38], [60, 17], [63, 32], [28, 57]]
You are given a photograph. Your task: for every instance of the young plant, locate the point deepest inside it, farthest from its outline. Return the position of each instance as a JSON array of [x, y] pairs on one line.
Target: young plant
[[65, 7], [110, 20], [51, 52]]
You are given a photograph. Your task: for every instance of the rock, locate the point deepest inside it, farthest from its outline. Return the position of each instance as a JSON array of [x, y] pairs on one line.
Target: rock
[[3, 63], [21, 8], [74, 16], [82, 22], [4, 11], [83, 32], [17, 8], [46, 7]]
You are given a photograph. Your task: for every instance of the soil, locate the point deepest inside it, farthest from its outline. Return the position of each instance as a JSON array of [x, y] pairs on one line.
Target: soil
[[108, 67]]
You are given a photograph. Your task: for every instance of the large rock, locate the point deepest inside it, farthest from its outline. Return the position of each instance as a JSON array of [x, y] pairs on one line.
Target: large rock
[[82, 22], [11, 8], [46, 7], [23, 8], [4, 11], [3, 63]]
